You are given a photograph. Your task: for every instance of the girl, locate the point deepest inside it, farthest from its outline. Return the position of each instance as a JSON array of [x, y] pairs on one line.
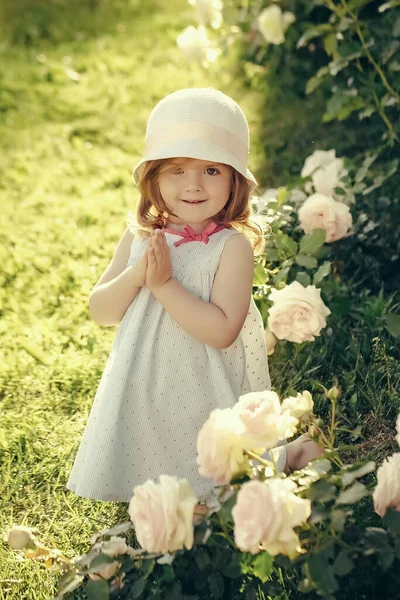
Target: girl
[[191, 338]]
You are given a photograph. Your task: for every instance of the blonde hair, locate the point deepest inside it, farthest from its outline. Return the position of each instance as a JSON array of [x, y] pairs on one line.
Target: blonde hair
[[236, 214]]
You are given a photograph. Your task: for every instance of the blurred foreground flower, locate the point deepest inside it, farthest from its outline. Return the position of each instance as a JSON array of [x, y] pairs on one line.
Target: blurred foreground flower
[[208, 12], [162, 514], [323, 212], [265, 514], [298, 314], [270, 341], [273, 23], [196, 46], [387, 491]]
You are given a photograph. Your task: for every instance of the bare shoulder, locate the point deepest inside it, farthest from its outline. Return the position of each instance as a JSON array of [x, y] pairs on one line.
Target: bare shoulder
[[120, 258]]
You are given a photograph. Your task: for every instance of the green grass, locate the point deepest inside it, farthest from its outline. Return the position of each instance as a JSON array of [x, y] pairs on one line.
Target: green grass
[[75, 94]]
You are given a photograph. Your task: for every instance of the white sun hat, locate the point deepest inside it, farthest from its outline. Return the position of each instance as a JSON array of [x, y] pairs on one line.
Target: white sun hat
[[200, 123]]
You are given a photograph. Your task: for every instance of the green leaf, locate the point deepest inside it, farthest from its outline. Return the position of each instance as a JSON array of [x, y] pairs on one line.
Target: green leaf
[[322, 491], [263, 566], [350, 475], [168, 574], [271, 254], [226, 511], [174, 592], [313, 84], [202, 559], [312, 33], [392, 520], [100, 561], [321, 573], [311, 242], [118, 529], [233, 569], [322, 272], [260, 275], [330, 43], [282, 196], [285, 243], [353, 494], [343, 564], [98, 590], [148, 566], [393, 324], [137, 588], [216, 584], [303, 278], [338, 519], [390, 4], [281, 275], [307, 261]]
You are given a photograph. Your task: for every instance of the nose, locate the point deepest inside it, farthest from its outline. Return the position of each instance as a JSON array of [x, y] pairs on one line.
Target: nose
[[193, 181]]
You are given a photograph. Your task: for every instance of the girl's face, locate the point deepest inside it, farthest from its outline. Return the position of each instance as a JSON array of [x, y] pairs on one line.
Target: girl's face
[[194, 190]]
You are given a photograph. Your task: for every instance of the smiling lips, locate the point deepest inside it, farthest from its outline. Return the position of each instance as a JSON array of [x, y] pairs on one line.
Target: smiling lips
[[193, 201]]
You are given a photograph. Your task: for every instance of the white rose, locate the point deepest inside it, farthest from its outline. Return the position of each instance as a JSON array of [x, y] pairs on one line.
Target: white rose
[[266, 513], [387, 491], [318, 159], [272, 23], [196, 46], [162, 514], [20, 537], [326, 179], [323, 212], [263, 419], [299, 406], [208, 12], [298, 313], [398, 430], [220, 446], [270, 341], [114, 546]]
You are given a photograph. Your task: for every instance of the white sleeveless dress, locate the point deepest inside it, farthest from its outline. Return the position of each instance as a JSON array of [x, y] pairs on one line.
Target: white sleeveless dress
[[160, 384]]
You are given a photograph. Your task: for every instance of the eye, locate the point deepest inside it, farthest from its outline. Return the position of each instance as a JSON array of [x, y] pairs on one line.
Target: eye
[[212, 169]]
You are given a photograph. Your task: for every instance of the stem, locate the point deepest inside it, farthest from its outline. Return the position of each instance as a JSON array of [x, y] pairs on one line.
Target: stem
[[252, 454], [332, 431]]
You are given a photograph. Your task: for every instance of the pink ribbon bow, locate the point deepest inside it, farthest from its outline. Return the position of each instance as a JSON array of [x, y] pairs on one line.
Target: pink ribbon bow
[[188, 235]]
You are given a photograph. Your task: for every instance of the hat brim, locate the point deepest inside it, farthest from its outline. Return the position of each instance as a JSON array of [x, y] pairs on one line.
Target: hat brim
[[194, 149]]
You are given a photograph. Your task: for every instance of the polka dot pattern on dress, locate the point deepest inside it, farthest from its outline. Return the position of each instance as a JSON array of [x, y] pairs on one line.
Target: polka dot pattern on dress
[[160, 384]]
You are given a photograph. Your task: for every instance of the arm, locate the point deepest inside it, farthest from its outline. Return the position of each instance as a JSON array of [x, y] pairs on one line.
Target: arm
[[216, 323], [117, 287]]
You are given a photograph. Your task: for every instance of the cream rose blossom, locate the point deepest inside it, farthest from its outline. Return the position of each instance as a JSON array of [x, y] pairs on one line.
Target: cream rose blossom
[[299, 406], [326, 171], [298, 314], [272, 23], [323, 212], [270, 341], [208, 12], [196, 46], [220, 446], [266, 513], [387, 491], [264, 421], [162, 514]]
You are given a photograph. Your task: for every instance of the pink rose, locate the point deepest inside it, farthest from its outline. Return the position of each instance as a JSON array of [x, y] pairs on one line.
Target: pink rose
[[266, 513], [251, 516], [298, 314], [162, 514], [323, 212], [387, 491], [220, 446]]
